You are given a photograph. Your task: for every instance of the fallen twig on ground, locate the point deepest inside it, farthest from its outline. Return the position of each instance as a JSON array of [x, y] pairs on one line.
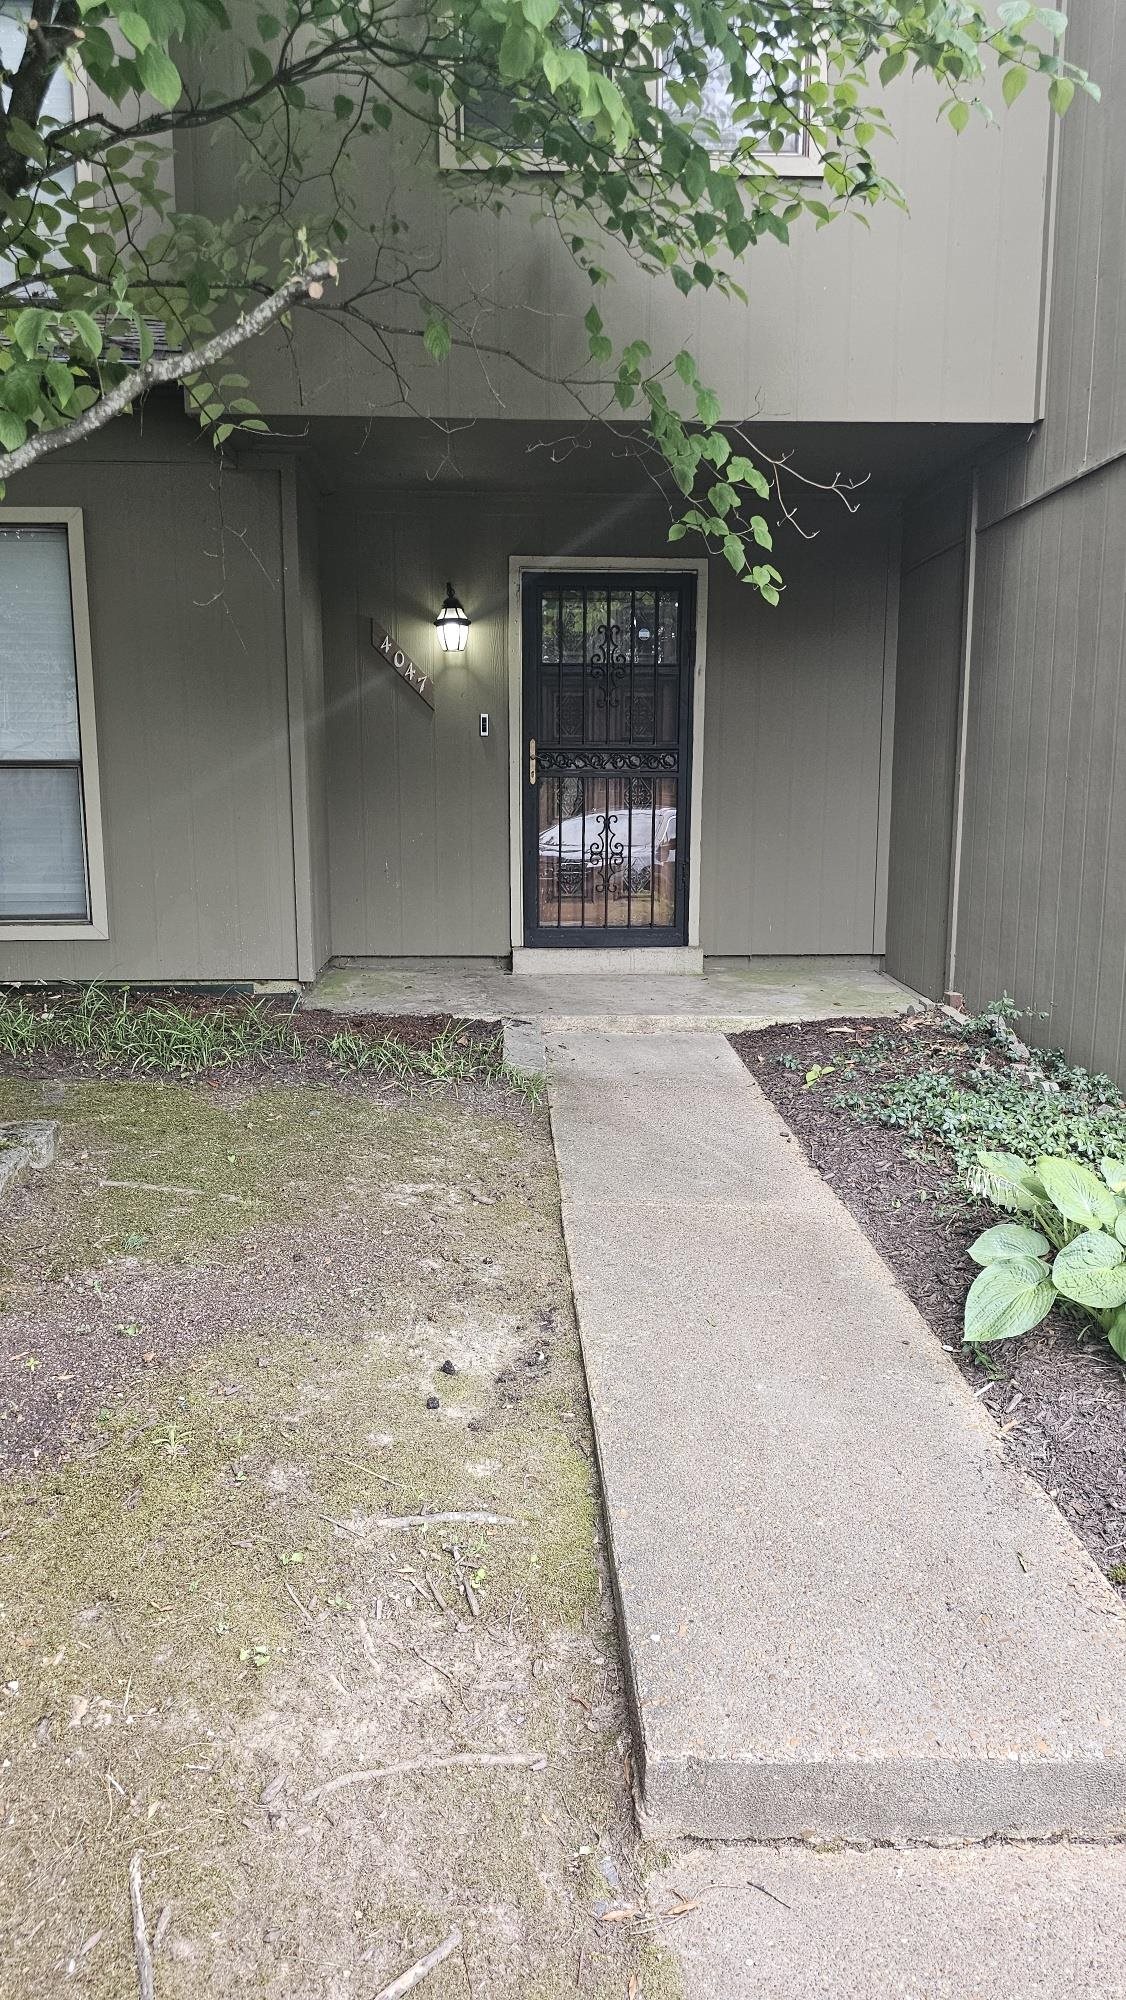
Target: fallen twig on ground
[[532, 1760], [764, 1891], [303, 1608], [407, 1981], [158, 1187], [141, 1950], [424, 1520]]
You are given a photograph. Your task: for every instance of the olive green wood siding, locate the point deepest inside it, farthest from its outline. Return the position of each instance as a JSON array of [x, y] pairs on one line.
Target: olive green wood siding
[[1043, 901], [793, 741], [418, 803], [927, 685], [189, 659], [1043, 904], [929, 315]]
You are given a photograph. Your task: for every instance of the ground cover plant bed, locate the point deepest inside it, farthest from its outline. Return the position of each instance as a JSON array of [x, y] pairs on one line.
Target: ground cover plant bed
[[302, 1589], [123, 1031], [1058, 1393]]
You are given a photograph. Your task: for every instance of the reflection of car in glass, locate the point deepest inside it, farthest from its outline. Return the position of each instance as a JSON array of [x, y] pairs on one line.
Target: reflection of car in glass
[[640, 839]]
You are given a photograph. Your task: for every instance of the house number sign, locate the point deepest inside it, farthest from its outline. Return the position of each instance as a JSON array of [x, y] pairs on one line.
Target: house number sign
[[423, 684]]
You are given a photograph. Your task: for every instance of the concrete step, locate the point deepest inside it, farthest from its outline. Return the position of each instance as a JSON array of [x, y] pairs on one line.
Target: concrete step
[[1043, 1922], [844, 1613]]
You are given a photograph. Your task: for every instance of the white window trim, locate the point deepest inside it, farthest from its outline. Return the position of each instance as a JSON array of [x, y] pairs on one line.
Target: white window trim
[[600, 566], [97, 924]]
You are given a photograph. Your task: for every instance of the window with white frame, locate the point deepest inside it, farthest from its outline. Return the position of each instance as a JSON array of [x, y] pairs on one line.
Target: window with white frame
[[486, 118], [44, 856]]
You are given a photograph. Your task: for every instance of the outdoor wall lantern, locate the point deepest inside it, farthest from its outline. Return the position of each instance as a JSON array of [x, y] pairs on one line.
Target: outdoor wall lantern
[[452, 624]]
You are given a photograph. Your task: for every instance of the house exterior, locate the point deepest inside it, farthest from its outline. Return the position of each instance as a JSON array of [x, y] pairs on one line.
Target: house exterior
[[232, 747]]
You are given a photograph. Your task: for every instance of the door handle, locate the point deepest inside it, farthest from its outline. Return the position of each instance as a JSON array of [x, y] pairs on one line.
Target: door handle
[[531, 760]]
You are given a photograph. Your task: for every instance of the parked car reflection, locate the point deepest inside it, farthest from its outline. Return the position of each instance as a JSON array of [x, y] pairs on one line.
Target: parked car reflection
[[626, 845]]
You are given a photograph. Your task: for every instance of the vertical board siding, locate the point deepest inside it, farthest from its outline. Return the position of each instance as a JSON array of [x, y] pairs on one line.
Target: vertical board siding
[[924, 770], [1044, 854], [792, 747], [930, 315], [188, 643], [1043, 890], [313, 717], [418, 803]]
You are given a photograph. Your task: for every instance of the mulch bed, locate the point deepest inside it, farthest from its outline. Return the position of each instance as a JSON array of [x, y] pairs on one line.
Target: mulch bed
[[1059, 1393]]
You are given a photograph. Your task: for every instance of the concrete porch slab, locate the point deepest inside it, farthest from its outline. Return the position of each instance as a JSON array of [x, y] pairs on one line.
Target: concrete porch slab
[[844, 1613], [729, 994]]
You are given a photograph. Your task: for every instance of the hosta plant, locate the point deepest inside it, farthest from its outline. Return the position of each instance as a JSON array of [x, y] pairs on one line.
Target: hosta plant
[[1069, 1244]]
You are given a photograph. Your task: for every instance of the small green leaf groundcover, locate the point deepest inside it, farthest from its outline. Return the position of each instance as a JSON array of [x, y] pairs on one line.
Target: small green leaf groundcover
[[1070, 1212]]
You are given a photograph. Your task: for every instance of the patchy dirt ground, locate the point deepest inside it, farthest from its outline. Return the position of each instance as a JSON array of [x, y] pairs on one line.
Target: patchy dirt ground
[[1059, 1393], [244, 1331]]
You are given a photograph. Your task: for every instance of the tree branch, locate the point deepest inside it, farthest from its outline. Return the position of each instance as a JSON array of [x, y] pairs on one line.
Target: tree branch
[[162, 368]]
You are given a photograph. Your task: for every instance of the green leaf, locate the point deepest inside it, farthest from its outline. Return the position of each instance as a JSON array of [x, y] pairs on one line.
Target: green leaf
[[1078, 1193], [891, 65], [1091, 1270], [28, 329], [88, 331], [959, 114], [13, 430], [1061, 90], [135, 29], [160, 76], [1014, 82], [436, 339], [1116, 1334], [1005, 1240], [1009, 1182], [517, 50], [1006, 1300], [539, 13], [60, 381], [1114, 1174]]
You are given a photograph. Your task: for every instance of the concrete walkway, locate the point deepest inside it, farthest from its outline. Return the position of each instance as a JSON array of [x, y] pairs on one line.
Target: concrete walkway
[[730, 993], [1041, 1922], [845, 1615]]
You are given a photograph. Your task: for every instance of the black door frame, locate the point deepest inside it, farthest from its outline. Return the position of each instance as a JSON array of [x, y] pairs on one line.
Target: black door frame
[[616, 577]]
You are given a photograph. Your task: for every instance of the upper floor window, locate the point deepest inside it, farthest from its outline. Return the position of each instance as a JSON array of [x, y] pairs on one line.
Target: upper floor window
[[46, 775], [487, 118]]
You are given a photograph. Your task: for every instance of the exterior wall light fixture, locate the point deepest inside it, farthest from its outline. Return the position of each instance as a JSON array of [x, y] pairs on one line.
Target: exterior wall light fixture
[[452, 623]]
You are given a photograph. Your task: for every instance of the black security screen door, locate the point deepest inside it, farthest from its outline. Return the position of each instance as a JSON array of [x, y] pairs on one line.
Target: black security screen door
[[607, 721]]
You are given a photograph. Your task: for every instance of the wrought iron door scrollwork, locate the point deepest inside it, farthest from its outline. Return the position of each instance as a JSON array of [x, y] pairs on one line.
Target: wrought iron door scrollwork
[[608, 760], [608, 663], [605, 853]]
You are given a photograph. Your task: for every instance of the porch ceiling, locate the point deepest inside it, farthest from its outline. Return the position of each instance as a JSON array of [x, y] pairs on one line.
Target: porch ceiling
[[497, 454]]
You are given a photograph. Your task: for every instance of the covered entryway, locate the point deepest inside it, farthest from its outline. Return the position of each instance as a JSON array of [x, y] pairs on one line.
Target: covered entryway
[[608, 665]]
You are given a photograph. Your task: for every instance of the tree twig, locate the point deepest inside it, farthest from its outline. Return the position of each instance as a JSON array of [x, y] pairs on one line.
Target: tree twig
[[407, 1981], [424, 1520], [463, 1760], [141, 1951], [171, 368]]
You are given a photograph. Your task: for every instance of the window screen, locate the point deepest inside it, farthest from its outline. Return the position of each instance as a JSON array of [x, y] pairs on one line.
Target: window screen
[[43, 873]]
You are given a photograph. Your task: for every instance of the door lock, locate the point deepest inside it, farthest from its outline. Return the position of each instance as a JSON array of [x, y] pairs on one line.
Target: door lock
[[531, 760]]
